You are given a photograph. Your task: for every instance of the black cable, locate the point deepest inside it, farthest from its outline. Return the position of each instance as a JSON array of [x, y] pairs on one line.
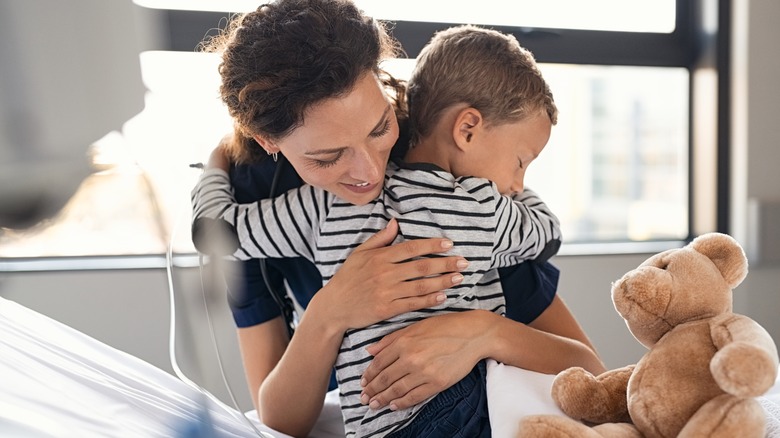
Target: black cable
[[217, 237], [282, 299]]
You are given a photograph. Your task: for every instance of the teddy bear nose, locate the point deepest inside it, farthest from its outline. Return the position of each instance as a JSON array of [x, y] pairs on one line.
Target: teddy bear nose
[[640, 296]]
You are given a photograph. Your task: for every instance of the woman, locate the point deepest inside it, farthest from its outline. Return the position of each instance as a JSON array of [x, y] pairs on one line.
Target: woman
[[279, 62]]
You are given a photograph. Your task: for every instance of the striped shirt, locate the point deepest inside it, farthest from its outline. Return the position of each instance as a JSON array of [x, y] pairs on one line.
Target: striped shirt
[[488, 229]]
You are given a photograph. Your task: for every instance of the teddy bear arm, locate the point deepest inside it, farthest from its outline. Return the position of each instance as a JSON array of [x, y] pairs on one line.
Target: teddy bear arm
[[746, 361], [595, 399]]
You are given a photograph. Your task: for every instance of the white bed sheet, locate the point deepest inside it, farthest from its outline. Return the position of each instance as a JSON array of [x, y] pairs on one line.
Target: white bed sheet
[[58, 382]]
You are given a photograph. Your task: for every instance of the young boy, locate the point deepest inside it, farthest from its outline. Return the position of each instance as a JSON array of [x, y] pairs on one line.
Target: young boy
[[480, 113]]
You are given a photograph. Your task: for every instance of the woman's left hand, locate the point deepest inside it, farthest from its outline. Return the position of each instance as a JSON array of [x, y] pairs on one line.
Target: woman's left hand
[[423, 359]]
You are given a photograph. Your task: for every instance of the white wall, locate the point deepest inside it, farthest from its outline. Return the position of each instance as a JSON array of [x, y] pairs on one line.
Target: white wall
[[756, 148], [129, 309]]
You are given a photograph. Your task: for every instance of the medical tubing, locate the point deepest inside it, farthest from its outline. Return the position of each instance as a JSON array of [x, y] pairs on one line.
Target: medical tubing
[[282, 300], [172, 339]]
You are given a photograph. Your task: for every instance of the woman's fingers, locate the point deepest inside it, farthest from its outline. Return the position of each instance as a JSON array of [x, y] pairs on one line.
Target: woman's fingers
[[425, 358], [403, 251], [381, 238], [412, 249], [420, 293], [408, 258], [412, 397], [422, 276], [380, 362], [422, 268], [378, 282], [400, 389]]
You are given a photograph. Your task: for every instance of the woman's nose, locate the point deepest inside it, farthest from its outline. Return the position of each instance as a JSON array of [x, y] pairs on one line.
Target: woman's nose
[[368, 166]]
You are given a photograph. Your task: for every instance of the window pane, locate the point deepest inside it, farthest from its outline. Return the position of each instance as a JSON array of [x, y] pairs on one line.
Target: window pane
[[615, 15], [616, 166]]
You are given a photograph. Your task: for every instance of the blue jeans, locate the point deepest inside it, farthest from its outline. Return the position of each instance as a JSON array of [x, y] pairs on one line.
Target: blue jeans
[[459, 411]]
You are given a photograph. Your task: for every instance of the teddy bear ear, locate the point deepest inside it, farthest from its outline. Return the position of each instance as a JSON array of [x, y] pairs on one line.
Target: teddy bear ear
[[726, 253]]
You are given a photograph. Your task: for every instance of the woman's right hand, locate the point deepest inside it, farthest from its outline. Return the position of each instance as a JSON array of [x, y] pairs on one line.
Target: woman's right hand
[[378, 281], [375, 283]]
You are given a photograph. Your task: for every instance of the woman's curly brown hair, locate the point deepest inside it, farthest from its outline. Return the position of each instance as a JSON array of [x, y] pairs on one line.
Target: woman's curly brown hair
[[288, 55]]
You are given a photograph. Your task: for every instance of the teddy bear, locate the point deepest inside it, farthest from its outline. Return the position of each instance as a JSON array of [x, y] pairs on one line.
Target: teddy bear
[[704, 366]]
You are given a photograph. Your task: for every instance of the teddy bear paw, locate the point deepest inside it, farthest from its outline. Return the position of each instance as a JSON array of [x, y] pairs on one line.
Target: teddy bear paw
[[552, 426]]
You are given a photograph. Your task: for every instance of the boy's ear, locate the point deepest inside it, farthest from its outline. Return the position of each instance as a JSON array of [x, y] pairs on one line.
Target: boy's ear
[[468, 123], [268, 145]]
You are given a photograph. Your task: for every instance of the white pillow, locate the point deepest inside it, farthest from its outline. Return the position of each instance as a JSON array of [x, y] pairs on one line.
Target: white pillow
[[514, 393]]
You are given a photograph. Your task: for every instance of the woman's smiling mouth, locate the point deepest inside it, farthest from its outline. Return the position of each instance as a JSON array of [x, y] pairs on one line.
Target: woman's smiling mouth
[[362, 187]]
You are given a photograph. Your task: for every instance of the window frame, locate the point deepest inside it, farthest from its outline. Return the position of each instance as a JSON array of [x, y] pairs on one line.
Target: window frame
[[690, 46]]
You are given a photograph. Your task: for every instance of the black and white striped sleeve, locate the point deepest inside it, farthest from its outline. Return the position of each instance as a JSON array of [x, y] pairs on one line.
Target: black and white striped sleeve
[[270, 228], [526, 229]]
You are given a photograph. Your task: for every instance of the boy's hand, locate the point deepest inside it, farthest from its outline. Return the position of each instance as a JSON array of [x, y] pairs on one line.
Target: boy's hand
[[219, 159]]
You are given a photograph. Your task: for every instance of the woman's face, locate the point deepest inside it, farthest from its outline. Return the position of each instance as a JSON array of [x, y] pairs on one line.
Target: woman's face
[[344, 143]]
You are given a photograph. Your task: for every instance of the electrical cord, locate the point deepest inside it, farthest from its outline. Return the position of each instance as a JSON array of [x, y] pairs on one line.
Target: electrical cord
[[172, 341], [282, 299], [217, 237]]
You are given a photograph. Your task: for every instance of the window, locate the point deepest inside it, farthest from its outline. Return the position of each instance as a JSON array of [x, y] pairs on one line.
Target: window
[[614, 15], [617, 168]]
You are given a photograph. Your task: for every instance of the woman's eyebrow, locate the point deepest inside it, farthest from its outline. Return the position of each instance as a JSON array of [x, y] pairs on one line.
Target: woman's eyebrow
[[381, 119], [325, 151], [339, 149]]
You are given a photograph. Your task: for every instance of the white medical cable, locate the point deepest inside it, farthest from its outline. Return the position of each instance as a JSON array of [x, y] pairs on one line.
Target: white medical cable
[[172, 338]]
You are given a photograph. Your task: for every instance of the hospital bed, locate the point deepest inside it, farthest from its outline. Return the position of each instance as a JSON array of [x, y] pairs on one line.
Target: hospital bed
[[58, 382]]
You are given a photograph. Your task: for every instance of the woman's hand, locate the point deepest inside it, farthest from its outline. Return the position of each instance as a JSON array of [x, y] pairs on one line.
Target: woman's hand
[[423, 359], [378, 281], [431, 355]]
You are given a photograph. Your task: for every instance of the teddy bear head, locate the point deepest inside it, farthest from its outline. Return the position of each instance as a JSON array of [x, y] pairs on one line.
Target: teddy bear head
[[680, 285]]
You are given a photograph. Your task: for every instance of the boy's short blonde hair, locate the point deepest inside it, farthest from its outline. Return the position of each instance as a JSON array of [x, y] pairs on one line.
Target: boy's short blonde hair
[[482, 68]]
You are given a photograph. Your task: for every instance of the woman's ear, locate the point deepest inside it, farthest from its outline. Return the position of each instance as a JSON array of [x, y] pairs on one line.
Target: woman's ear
[[268, 145], [467, 125]]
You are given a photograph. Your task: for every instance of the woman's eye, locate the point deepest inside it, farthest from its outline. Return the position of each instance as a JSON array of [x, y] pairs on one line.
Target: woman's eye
[[323, 164], [383, 131], [328, 163]]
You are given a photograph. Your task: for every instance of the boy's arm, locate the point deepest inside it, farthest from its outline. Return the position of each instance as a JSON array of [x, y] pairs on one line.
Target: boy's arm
[[526, 229], [270, 228]]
